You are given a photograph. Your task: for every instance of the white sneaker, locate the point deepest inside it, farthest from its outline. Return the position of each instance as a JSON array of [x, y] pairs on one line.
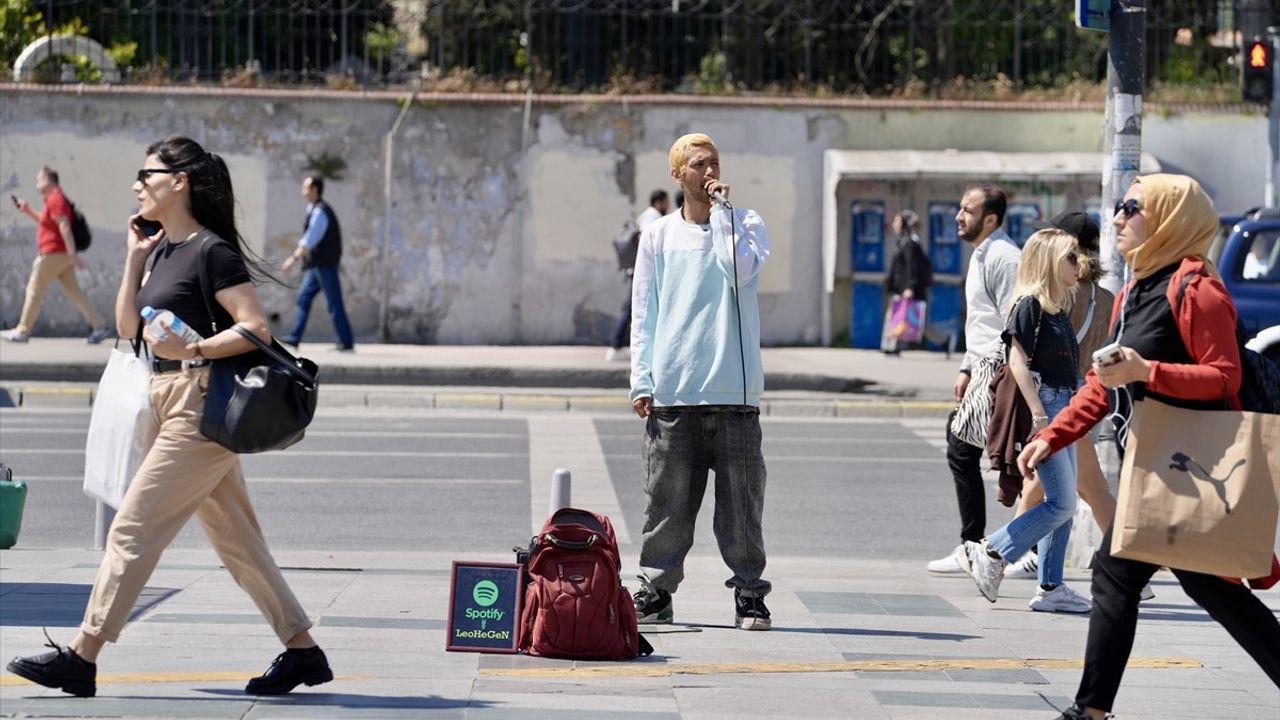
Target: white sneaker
[[15, 335], [1060, 599], [986, 571], [954, 564], [1147, 593], [1027, 567], [617, 355]]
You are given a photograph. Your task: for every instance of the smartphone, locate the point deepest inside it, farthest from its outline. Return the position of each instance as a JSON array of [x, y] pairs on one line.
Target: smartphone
[[14, 198], [147, 227], [1108, 355]]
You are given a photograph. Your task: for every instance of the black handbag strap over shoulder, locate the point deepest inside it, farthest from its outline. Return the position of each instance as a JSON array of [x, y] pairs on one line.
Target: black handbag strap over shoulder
[[273, 351], [285, 360]]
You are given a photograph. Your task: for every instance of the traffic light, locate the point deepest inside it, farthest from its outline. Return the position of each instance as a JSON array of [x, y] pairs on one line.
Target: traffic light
[[1257, 72]]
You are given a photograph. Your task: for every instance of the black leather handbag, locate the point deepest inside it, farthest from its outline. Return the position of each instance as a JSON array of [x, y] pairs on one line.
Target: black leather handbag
[[260, 400]]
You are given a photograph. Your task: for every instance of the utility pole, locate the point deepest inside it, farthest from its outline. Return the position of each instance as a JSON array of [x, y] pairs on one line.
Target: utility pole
[[1122, 138], [1273, 115]]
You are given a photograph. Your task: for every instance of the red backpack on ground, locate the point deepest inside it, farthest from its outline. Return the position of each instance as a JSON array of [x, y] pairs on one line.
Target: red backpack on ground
[[575, 605]]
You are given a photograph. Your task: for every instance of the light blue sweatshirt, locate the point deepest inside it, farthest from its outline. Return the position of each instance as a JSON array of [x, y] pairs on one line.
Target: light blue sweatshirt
[[684, 320]]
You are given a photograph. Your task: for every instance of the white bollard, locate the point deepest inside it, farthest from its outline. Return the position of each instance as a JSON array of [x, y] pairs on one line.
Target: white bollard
[[102, 517], [560, 481]]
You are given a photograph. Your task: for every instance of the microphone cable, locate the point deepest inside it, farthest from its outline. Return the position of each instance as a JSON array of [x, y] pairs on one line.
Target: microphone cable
[[737, 302], [746, 504]]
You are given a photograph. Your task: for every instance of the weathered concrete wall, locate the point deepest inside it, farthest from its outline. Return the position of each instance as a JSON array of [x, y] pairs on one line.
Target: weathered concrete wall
[[489, 244]]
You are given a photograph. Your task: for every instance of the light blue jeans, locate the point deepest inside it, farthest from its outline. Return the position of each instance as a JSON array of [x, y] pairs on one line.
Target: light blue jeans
[[1049, 523]]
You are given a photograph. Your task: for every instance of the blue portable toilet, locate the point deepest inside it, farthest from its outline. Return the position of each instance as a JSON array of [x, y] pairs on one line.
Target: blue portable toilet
[[867, 245], [947, 255], [1019, 220]]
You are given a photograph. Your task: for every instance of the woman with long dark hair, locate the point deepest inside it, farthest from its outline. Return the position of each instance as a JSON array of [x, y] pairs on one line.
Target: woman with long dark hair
[[1184, 356], [188, 192]]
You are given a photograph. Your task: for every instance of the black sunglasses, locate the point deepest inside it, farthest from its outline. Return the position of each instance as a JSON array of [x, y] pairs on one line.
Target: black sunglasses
[[145, 173], [1128, 207], [1073, 258]]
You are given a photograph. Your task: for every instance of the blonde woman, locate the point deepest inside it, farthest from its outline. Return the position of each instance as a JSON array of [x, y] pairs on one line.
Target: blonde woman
[[1042, 350]]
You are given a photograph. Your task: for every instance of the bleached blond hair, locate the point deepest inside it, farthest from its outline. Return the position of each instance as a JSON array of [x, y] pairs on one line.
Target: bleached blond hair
[[683, 147], [1038, 270]]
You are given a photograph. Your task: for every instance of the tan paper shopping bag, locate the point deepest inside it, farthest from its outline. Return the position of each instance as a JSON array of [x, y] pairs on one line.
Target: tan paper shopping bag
[[1198, 490]]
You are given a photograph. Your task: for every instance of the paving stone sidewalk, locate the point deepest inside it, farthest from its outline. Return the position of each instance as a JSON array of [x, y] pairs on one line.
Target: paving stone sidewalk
[[857, 639]]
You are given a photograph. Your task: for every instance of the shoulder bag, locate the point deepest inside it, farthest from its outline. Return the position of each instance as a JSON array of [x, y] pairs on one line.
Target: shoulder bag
[[260, 400]]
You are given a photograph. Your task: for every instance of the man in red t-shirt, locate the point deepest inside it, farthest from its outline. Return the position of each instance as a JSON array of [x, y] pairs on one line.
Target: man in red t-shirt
[[56, 260]]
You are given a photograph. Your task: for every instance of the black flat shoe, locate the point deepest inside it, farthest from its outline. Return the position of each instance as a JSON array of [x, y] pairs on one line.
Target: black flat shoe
[[290, 669], [61, 669]]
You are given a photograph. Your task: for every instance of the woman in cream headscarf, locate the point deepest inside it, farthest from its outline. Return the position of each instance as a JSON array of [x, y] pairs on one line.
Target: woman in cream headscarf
[[1188, 358]]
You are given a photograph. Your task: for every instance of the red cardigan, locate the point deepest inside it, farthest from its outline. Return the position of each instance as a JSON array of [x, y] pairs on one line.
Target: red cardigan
[[1207, 323]]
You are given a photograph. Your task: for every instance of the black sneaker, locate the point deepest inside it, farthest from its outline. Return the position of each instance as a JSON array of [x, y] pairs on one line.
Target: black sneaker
[[653, 607], [749, 613], [289, 670], [61, 669]]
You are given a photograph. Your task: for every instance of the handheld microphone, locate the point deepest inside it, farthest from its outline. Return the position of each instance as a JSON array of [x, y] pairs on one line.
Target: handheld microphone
[[719, 197]]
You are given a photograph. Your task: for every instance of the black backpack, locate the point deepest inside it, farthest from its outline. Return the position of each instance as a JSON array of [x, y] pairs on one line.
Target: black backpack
[[1259, 377], [626, 243], [79, 229]]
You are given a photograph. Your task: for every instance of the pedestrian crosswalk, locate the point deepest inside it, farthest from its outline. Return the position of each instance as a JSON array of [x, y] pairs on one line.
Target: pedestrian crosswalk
[[933, 431]]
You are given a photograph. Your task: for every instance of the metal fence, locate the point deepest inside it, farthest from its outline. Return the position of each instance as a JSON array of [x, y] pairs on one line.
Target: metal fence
[[874, 46]]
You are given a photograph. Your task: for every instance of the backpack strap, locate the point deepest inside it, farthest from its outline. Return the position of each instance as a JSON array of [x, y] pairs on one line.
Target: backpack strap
[[1088, 318]]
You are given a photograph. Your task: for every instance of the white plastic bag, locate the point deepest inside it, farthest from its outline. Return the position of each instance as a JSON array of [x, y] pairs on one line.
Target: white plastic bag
[[121, 429]]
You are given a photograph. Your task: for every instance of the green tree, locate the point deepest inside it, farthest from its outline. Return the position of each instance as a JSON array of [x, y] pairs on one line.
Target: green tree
[[20, 25]]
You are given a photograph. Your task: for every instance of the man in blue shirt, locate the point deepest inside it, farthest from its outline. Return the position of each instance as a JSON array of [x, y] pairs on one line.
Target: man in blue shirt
[[320, 251]]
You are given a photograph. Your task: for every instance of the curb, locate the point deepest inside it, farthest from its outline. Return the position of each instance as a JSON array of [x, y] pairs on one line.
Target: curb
[[31, 395], [617, 379]]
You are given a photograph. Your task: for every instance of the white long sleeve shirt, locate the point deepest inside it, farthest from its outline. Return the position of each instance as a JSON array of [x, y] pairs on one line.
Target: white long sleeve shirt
[[684, 317], [988, 292]]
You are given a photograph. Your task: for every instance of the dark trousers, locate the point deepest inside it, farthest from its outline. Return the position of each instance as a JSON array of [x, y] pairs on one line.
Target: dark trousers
[[317, 279], [622, 330], [966, 469], [680, 448], [1116, 587]]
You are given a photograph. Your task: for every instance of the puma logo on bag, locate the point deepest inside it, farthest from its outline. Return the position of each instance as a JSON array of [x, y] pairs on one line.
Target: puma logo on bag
[[1194, 469]]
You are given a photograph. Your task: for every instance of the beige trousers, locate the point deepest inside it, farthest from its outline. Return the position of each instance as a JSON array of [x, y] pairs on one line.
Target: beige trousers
[[46, 269], [186, 474]]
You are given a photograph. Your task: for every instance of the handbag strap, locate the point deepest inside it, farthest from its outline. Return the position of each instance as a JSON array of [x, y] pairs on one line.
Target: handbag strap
[[1088, 318], [289, 362], [1035, 339], [136, 340], [204, 283]]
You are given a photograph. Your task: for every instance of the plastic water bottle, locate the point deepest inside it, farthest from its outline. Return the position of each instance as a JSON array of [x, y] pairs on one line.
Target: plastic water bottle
[[153, 318]]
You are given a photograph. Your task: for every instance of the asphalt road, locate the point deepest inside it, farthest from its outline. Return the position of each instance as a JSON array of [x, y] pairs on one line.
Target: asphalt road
[[460, 481]]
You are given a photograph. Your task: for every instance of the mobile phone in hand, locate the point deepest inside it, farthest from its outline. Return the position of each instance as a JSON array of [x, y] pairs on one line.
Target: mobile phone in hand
[[148, 227], [1109, 355], [14, 198]]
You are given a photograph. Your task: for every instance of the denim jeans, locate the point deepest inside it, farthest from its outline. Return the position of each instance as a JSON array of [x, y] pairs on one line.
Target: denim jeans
[[680, 447], [622, 329], [315, 279], [1049, 523]]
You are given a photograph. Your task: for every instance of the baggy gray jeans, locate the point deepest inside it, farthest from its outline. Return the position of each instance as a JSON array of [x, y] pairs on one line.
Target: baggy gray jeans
[[680, 446]]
